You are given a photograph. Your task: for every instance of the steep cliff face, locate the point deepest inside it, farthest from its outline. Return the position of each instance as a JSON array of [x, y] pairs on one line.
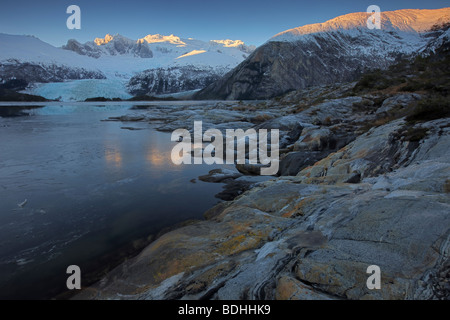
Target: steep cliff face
[[172, 80], [37, 72], [278, 67], [335, 51]]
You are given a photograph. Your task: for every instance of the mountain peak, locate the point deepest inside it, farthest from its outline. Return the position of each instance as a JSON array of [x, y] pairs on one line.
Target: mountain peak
[[101, 41], [229, 43], [412, 20], [238, 44], [155, 38]]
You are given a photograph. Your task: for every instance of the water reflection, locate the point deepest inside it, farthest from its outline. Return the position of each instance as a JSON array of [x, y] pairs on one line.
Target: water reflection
[[156, 158], [113, 158], [91, 187]]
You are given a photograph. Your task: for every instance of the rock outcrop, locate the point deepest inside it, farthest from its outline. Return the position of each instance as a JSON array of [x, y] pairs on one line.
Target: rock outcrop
[[35, 72], [285, 239]]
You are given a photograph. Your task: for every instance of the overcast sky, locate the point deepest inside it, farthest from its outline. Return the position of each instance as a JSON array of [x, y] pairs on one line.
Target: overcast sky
[[254, 22]]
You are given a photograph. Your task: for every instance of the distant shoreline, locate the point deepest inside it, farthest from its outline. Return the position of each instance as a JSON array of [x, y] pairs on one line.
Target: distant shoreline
[[56, 103]]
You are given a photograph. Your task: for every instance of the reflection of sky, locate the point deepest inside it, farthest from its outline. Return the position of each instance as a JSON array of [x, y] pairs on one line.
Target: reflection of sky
[[159, 153], [84, 176], [173, 186], [156, 151], [113, 157], [155, 158]]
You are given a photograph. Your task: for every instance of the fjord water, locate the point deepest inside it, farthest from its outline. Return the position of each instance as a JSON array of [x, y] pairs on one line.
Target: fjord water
[[75, 190]]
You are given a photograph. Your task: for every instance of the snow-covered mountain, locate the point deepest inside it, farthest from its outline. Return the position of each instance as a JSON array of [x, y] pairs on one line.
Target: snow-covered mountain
[[170, 64], [334, 51], [159, 45], [28, 58], [411, 20], [117, 59]]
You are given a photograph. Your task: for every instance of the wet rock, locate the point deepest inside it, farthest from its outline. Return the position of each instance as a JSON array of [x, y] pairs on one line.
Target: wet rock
[[220, 175], [355, 177], [232, 189], [294, 162], [128, 118], [131, 128], [250, 169]]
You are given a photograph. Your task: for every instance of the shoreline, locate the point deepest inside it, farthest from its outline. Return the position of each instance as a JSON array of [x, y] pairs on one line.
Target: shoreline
[[111, 103], [125, 254], [348, 197], [291, 237], [118, 257]]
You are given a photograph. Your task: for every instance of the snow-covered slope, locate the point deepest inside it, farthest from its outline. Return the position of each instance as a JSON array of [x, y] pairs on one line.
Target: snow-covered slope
[[33, 50], [411, 20], [334, 51], [28, 58]]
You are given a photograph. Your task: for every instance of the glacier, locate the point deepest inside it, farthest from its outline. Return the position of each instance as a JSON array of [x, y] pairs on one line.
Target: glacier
[[80, 90]]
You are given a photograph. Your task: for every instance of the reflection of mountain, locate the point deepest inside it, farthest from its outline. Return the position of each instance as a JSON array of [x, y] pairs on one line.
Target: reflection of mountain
[[324, 53]]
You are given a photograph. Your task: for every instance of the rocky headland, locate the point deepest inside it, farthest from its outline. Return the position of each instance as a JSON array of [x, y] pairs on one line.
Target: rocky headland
[[364, 180]]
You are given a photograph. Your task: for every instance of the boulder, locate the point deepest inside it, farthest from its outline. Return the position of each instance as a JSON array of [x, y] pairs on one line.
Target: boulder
[[220, 175], [294, 162], [315, 139], [398, 101]]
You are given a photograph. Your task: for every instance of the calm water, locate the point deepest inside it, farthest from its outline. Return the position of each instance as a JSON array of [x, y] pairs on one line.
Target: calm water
[[91, 190]]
